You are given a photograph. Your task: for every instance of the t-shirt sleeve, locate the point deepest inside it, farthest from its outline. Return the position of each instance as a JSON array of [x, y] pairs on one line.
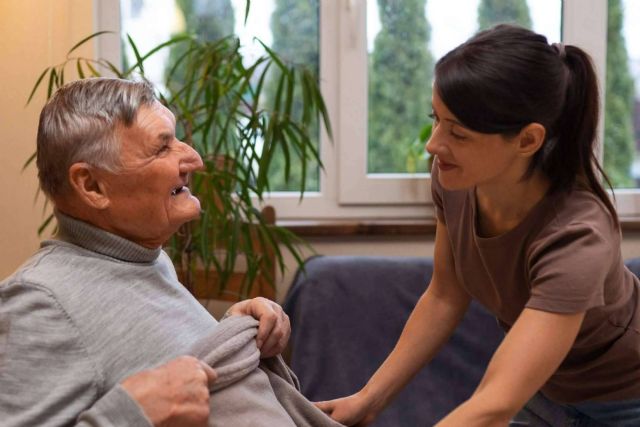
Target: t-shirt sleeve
[[47, 376], [568, 270], [436, 192]]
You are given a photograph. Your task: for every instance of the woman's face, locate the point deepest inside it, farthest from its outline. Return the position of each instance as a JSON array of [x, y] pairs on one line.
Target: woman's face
[[467, 158]]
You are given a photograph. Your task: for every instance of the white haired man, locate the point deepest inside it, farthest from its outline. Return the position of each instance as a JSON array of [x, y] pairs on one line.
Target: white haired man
[[94, 327]]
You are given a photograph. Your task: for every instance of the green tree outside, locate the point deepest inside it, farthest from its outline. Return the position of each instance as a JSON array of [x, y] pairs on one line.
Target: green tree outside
[[400, 78], [210, 20], [295, 30], [492, 12], [207, 20], [619, 145]]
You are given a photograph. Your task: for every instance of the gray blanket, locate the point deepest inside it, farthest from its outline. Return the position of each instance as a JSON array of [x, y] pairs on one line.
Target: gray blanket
[[250, 392]]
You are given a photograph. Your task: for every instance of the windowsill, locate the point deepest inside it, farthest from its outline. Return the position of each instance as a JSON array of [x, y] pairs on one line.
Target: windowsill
[[630, 224], [345, 228], [342, 228]]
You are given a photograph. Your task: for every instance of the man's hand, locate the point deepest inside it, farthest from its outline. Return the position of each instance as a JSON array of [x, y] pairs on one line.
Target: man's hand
[[174, 394], [274, 329]]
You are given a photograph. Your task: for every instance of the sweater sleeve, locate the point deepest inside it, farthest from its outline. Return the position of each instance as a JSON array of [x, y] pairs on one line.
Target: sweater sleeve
[[47, 376], [116, 408]]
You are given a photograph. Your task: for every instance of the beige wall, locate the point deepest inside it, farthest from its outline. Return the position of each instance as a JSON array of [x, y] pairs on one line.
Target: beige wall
[[37, 33], [33, 35]]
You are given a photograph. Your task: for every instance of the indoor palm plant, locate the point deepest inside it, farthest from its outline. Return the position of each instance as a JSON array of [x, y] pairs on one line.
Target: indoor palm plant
[[220, 107]]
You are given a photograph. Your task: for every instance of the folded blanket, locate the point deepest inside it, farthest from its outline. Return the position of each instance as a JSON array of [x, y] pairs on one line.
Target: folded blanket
[[250, 392]]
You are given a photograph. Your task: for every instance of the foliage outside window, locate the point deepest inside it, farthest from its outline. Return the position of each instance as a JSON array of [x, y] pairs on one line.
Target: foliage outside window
[[294, 25], [619, 140], [400, 75]]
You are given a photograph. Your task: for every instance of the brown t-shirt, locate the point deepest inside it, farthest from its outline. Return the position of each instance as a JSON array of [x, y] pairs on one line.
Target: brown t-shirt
[[564, 257]]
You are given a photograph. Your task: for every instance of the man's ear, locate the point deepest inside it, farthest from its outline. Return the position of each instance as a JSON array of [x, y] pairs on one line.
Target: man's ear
[[531, 138], [86, 183]]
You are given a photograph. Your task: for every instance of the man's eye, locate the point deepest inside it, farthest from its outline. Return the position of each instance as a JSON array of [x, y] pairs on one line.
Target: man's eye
[[164, 149]]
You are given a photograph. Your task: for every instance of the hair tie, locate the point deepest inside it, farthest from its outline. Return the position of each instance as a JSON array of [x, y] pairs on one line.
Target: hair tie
[[559, 47]]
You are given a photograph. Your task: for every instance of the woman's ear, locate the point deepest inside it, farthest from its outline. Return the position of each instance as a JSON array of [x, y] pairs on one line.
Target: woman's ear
[[531, 138], [87, 185]]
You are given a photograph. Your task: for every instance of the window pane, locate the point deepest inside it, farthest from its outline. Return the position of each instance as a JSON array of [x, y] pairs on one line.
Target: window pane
[[405, 39], [289, 27], [622, 101]]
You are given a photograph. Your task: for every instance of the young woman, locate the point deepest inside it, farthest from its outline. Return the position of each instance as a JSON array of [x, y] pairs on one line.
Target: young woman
[[525, 227]]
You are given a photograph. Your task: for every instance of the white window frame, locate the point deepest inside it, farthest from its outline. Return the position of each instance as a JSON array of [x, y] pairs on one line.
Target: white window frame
[[585, 25], [347, 191], [357, 187]]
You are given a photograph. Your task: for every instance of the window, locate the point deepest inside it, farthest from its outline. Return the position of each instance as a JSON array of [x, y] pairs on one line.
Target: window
[[374, 167], [623, 67], [621, 157], [392, 71]]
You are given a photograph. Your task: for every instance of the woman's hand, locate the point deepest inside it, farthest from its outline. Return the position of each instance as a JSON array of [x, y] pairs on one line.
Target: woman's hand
[[274, 328], [355, 410]]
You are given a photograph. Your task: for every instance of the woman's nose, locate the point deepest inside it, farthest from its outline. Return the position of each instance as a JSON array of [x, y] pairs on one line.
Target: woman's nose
[[431, 145]]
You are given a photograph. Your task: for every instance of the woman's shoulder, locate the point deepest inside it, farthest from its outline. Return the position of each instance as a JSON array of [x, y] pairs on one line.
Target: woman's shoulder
[[577, 219], [582, 207]]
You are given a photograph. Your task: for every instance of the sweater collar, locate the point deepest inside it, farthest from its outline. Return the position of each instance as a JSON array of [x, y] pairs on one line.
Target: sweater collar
[[85, 235]]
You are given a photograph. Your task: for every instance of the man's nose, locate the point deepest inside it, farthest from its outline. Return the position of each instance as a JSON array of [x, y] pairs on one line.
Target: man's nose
[[191, 160]]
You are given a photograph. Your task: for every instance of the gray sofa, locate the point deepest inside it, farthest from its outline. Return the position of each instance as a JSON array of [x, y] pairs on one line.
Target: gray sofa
[[347, 313]]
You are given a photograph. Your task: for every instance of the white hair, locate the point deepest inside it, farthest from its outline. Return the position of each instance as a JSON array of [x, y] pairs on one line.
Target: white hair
[[79, 123]]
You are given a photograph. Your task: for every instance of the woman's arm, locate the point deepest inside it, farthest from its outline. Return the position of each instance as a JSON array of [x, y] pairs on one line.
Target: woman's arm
[[530, 353], [432, 321]]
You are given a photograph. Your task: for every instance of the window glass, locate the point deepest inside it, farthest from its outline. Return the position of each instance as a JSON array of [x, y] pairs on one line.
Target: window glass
[[622, 100], [404, 40], [289, 27]]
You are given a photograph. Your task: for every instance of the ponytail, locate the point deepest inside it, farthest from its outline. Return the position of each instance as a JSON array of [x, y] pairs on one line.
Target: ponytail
[[571, 154]]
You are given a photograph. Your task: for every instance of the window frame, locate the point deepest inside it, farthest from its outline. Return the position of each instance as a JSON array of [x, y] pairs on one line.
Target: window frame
[[346, 190]]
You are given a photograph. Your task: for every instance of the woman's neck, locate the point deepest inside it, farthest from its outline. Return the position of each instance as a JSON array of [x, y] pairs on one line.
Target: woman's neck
[[501, 207]]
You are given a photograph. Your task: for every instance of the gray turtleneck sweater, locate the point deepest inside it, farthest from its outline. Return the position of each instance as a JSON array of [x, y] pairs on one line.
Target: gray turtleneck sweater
[[86, 311]]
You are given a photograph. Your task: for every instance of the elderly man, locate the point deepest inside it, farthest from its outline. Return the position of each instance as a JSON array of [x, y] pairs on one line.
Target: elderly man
[[94, 328]]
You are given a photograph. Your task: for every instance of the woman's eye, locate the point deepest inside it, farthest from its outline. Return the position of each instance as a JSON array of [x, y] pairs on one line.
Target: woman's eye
[[453, 131], [433, 117], [457, 136]]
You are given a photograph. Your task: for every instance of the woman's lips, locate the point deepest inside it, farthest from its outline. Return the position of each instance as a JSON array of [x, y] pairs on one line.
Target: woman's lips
[[445, 166]]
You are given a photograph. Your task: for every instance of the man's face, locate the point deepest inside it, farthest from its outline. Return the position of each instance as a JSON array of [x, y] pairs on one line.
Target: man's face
[[148, 198]]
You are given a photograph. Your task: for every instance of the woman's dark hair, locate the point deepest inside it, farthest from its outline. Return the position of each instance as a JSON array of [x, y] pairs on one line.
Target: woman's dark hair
[[507, 77]]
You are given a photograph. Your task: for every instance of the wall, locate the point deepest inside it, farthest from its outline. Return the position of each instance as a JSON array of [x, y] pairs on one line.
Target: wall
[[37, 33], [33, 35]]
